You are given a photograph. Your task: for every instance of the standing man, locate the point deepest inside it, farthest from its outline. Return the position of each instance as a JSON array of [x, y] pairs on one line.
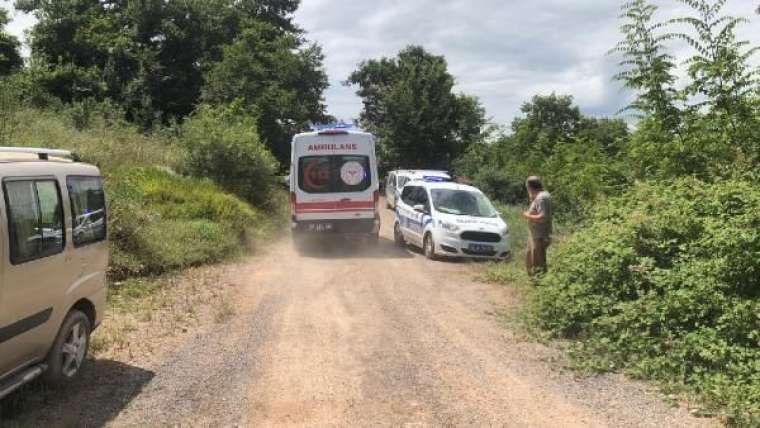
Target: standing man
[[539, 216]]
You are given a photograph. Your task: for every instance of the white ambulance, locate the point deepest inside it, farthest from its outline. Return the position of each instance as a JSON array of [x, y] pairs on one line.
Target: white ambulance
[[334, 187]]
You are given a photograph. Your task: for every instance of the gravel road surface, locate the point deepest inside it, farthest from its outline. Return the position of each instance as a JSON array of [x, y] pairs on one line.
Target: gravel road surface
[[341, 335]]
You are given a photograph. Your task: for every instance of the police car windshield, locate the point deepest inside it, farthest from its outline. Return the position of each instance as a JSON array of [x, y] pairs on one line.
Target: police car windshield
[[462, 202]]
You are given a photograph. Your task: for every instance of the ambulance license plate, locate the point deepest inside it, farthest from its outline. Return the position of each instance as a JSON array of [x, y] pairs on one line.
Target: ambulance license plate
[[320, 227], [480, 248]]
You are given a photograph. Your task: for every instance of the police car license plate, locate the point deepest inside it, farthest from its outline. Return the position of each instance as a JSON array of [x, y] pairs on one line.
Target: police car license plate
[[320, 227], [480, 248]]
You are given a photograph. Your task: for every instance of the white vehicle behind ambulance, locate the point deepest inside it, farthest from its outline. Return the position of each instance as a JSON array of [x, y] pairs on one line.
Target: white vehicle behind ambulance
[[334, 187]]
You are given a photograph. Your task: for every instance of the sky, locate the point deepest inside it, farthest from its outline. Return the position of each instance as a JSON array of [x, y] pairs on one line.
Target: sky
[[502, 51]]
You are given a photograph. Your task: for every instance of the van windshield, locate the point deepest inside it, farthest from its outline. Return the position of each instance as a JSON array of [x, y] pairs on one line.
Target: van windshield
[[462, 202], [334, 174]]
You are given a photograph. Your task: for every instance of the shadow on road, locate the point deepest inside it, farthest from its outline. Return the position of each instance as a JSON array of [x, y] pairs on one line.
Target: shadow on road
[[346, 247], [102, 391]]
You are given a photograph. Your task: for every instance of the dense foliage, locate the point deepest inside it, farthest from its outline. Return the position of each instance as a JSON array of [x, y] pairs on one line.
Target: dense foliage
[[10, 58], [411, 109], [579, 156], [155, 58], [267, 73], [671, 291], [222, 144]]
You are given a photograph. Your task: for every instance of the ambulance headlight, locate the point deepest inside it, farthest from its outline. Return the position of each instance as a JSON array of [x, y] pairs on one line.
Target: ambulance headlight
[[449, 227]]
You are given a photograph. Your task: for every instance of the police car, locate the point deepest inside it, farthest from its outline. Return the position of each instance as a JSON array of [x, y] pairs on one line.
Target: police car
[[448, 219], [397, 179]]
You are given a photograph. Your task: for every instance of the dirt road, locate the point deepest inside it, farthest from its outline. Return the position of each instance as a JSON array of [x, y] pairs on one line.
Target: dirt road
[[343, 336]]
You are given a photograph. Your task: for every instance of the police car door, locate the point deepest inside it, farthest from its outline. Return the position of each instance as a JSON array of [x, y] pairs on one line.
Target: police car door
[[417, 198], [424, 217], [406, 214]]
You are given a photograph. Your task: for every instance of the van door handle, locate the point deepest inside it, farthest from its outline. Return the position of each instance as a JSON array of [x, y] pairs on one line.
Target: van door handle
[[346, 200]]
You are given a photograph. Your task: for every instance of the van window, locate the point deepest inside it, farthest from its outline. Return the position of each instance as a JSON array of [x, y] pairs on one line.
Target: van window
[[88, 209], [35, 219], [334, 174]]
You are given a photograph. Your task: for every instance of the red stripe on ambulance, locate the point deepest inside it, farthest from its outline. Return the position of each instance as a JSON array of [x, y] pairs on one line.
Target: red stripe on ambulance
[[336, 206]]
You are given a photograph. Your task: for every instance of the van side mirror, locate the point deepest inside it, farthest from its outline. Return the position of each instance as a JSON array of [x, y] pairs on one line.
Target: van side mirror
[[420, 208]]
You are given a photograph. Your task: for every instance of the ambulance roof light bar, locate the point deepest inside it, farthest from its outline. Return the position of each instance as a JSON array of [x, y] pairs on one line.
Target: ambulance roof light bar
[[337, 128]]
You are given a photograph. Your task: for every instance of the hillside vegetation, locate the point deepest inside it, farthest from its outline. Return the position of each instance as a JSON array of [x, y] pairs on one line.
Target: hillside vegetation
[[671, 291], [160, 220], [660, 277]]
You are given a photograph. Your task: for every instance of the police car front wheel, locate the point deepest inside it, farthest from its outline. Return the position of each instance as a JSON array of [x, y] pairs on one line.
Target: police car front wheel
[[398, 237], [429, 247]]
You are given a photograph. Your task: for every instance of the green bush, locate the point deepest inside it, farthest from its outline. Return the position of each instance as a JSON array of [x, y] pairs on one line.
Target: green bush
[[161, 221], [664, 282], [501, 185], [223, 144], [579, 174]]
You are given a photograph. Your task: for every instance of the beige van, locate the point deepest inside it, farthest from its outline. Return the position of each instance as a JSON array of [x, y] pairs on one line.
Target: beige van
[[53, 259]]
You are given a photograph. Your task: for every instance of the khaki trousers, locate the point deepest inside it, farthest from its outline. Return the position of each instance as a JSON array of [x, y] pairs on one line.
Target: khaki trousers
[[535, 260]]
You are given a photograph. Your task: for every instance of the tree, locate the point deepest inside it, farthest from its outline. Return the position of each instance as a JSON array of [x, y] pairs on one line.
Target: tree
[[648, 69], [719, 70], [410, 106], [548, 120], [150, 56], [269, 71], [10, 58]]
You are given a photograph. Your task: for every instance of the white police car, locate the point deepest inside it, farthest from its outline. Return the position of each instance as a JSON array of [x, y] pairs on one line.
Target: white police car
[[397, 179], [450, 220]]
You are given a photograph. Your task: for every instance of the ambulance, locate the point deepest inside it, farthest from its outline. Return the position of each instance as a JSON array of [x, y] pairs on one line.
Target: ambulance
[[334, 187]]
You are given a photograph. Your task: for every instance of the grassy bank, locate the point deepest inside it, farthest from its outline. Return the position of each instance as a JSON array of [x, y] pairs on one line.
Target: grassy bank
[[160, 221], [514, 272]]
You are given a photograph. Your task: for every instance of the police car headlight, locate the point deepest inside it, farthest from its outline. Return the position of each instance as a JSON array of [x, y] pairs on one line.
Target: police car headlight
[[505, 231], [449, 227]]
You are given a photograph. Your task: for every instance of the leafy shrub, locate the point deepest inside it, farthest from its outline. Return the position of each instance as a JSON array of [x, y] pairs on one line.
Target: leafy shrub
[[223, 145], [579, 174], [665, 283], [501, 185], [161, 221]]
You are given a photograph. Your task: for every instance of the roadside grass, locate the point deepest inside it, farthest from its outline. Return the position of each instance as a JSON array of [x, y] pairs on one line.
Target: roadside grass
[[513, 271], [143, 311]]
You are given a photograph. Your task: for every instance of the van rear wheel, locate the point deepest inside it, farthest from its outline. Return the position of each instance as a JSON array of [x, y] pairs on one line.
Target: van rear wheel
[[69, 349]]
